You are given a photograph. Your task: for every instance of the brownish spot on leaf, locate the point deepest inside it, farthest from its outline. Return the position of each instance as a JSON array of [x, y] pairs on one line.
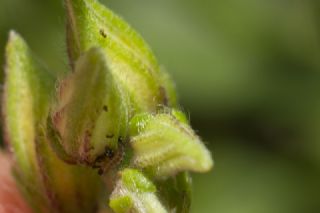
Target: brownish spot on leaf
[[103, 33]]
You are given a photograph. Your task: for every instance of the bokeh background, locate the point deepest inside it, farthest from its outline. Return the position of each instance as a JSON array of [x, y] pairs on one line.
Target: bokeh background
[[248, 74]]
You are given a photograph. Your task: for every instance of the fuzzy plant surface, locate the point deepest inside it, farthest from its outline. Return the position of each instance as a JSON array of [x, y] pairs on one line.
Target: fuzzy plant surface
[[106, 137]]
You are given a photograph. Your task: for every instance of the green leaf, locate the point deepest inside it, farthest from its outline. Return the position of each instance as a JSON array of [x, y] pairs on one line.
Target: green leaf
[[47, 183], [165, 144], [131, 60], [135, 193], [91, 113]]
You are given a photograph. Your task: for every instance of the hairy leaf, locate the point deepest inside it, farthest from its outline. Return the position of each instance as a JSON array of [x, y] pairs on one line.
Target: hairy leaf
[[135, 193], [165, 144]]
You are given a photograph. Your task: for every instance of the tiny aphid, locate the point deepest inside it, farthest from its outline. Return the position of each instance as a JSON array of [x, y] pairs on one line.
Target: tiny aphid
[[109, 153], [114, 159], [103, 33], [120, 141]]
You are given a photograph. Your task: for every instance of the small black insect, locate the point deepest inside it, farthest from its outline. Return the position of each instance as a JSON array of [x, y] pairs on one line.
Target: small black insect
[[120, 140], [115, 157], [103, 33], [105, 108], [109, 153]]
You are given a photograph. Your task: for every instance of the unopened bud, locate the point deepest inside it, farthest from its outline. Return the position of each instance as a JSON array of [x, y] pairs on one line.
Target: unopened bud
[[165, 144]]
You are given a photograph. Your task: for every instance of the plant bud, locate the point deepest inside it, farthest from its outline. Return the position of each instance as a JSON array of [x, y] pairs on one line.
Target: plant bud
[[165, 144], [130, 58], [135, 193], [47, 183], [91, 113]]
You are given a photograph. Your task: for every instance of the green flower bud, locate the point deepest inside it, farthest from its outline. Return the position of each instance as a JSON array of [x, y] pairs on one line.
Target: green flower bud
[[130, 59], [47, 183], [135, 193], [22, 90], [91, 113], [114, 108], [165, 144]]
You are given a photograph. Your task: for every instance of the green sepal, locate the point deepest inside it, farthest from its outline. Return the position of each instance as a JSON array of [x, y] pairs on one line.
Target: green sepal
[[26, 85], [47, 183], [91, 113], [165, 144], [175, 192], [121, 204], [131, 60], [135, 193]]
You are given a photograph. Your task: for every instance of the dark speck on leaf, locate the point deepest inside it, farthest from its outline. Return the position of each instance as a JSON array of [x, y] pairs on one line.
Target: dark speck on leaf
[[109, 153], [120, 140], [110, 136], [103, 33], [105, 108]]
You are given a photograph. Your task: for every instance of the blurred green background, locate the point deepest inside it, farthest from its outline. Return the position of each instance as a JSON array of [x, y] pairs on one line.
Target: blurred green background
[[248, 74]]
